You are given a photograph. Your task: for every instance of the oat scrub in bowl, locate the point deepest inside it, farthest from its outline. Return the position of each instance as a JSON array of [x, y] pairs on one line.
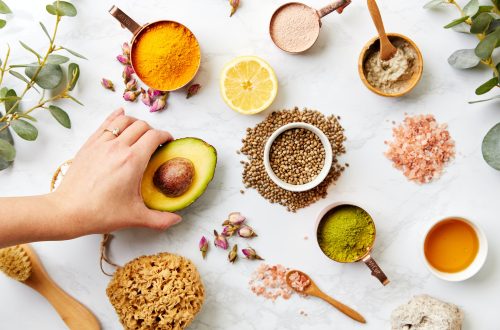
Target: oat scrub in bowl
[[298, 156], [346, 233], [165, 54], [390, 64], [294, 27]]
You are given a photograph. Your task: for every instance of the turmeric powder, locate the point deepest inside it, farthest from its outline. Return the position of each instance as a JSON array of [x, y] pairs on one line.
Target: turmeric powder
[[166, 55]]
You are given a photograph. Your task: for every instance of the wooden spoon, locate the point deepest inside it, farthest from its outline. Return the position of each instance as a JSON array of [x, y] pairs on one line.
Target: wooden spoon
[[73, 313], [387, 49], [313, 290]]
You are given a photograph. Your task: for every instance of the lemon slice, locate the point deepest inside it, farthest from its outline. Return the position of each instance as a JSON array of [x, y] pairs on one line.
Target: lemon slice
[[248, 85]]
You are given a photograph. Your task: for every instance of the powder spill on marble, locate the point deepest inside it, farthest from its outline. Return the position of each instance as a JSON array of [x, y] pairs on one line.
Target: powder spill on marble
[[269, 281], [295, 27], [391, 76], [421, 148]]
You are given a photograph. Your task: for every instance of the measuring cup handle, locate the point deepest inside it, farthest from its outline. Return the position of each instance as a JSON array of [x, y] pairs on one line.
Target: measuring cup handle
[[337, 5], [125, 20], [376, 270]]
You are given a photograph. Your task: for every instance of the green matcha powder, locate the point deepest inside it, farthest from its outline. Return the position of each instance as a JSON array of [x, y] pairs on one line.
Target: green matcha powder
[[346, 233]]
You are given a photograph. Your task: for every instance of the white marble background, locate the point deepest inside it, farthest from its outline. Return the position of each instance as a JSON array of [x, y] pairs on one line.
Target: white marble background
[[326, 79]]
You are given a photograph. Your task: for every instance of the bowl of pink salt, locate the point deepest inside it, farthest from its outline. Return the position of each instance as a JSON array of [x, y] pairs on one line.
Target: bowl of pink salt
[[294, 27]]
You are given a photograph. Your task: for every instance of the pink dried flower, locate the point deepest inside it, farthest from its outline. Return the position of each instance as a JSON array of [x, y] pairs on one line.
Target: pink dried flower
[[229, 230], [220, 241], [159, 103], [234, 6], [123, 59], [126, 48], [233, 254], [235, 218], [246, 232], [145, 98], [130, 95], [131, 85], [128, 71], [193, 90], [251, 254], [108, 84], [154, 93], [203, 245]]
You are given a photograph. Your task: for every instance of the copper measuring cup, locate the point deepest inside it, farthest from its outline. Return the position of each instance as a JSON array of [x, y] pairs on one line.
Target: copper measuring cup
[[137, 30], [307, 30], [376, 271]]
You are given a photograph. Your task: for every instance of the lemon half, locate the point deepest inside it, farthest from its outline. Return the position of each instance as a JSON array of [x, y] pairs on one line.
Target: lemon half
[[248, 85]]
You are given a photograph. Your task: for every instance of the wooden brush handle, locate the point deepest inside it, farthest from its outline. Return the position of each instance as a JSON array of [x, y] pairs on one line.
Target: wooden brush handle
[[343, 308]]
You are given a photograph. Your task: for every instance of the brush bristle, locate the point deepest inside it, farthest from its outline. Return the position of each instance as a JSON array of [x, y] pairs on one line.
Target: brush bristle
[[15, 263]]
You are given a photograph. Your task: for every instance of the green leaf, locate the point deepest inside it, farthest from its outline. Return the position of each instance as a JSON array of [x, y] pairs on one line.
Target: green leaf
[[61, 8], [24, 129], [481, 23], [462, 28], [485, 100], [486, 46], [23, 115], [72, 52], [60, 115], [491, 147], [484, 9], [10, 103], [434, 3], [45, 31], [4, 9], [7, 151], [487, 86], [6, 136], [471, 8], [28, 48], [19, 76], [2, 23], [49, 77], [456, 22], [75, 100], [57, 59], [493, 26], [464, 59], [73, 75], [3, 92]]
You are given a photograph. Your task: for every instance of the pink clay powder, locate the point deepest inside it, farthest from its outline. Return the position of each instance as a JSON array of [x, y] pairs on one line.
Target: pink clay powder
[[295, 27]]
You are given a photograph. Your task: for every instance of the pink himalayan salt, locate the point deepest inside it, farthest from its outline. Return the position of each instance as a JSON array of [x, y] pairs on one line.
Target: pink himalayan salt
[[421, 148], [269, 281]]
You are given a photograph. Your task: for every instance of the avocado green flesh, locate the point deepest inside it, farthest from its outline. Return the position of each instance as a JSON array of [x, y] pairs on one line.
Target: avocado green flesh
[[201, 154]]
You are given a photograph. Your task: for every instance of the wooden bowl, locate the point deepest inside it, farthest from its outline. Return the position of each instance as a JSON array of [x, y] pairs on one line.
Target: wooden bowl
[[373, 45]]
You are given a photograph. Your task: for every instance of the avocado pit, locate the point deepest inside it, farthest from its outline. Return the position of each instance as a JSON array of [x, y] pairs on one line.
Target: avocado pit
[[174, 177]]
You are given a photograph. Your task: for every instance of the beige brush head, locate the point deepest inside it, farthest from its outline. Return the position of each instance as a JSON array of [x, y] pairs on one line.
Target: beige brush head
[[15, 262]]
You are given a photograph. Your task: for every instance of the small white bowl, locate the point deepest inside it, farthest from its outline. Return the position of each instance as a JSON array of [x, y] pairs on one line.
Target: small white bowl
[[474, 267], [326, 166]]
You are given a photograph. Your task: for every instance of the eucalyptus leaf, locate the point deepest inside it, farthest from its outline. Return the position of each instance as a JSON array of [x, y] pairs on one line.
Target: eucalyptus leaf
[[491, 147], [3, 92], [19, 76], [24, 129], [464, 59], [484, 9], [10, 103], [456, 22], [23, 115], [75, 100], [462, 28], [61, 8], [2, 23], [471, 8], [29, 49], [493, 26], [434, 3], [4, 9], [45, 31], [6, 136], [49, 77], [72, 52], [73, 75], [481, 23], [7, 151], [485, 100], [60, 115], [485, 47], [487, 86], [57, 59]]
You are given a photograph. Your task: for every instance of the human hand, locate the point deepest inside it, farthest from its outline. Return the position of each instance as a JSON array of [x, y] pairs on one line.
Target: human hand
[[100, 192]]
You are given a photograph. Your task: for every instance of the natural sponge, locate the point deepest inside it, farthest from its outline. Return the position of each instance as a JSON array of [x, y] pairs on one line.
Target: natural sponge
[[162, 291]]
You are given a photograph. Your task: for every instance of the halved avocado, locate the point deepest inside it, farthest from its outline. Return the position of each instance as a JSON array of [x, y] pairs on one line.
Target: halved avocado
[[200, 154]]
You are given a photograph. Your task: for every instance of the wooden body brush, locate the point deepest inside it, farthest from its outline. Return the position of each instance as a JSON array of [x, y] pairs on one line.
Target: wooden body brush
[[21, 263]]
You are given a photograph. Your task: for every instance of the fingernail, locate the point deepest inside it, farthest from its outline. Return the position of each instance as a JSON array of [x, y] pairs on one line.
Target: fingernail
[[177, 220], [118, 111]]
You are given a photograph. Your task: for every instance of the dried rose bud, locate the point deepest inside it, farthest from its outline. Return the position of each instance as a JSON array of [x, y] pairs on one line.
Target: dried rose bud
[[108, 84], [234, 6], [235, 218], [193, 90], [126, 48], [145, 98], [128, 71], [233, 254], [220, 241], [229, 230], [246, 232], [131, 85], [154, 93], [251, 254], [130, 95], [203, 245], [123, 59], [159, 103]]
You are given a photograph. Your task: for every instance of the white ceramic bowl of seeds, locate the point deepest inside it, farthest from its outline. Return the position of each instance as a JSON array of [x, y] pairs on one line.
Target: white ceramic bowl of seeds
[[326, 153]]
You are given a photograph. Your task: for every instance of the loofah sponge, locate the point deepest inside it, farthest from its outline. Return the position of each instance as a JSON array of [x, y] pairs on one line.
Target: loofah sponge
[[15, 263], [162, 291]]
